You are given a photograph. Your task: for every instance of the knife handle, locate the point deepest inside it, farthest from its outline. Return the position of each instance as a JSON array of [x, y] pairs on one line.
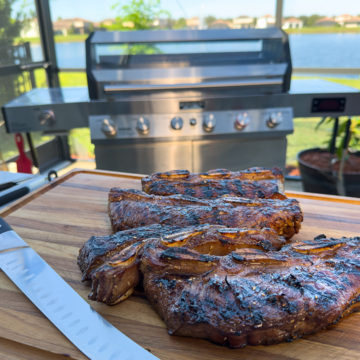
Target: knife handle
[[4, 226]]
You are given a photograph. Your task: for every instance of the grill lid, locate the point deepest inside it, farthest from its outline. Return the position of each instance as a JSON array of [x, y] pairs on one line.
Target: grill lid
[[249, 60]]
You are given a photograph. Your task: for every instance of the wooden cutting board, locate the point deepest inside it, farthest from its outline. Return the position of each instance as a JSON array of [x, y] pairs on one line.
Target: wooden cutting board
[[57, 219]]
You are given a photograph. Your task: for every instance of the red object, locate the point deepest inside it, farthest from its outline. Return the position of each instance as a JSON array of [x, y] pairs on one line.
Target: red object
[[23, 163]]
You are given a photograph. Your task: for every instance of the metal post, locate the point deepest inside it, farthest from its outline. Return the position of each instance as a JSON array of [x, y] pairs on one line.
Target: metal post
[[52, 70], [47, 41], [28, 61], [279, 13]]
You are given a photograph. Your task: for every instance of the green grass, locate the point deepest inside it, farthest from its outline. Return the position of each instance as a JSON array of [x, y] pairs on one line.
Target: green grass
[[305, 136], [343, 81], [80, 144], [349, 82], [73, 79], [323, 30], [8, 147], [58, 38], [67, 79]]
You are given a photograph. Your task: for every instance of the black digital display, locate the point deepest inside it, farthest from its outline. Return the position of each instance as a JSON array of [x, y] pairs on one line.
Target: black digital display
[[328, 105], [191, 105]]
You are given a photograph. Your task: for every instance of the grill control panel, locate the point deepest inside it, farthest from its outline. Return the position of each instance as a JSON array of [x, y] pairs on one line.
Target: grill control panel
[[192, 123]]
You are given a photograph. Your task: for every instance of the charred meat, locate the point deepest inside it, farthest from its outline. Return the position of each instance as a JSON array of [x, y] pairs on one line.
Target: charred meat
[[251, 183], [98, 249], [249, 296], [111, 263], [133, 208]]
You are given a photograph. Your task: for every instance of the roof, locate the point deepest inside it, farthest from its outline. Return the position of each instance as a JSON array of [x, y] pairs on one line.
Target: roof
[[221, 21], [70, 21], [325, 19], [243, 17], [352, 19], [293, 20]]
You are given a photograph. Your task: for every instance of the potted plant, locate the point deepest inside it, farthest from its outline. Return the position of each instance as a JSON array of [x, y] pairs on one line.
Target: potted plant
[[335, 169]]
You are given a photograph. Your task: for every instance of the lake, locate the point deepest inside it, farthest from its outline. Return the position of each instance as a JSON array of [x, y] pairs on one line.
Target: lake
[[307, 50]]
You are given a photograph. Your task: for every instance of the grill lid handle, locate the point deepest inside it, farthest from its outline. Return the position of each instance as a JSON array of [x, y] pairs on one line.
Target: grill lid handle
[[115, 88]]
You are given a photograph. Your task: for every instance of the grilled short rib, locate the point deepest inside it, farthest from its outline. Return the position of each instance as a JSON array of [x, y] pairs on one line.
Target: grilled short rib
[[111, 263], [249, 296], [251, 183], [99, 249], [130, 208]]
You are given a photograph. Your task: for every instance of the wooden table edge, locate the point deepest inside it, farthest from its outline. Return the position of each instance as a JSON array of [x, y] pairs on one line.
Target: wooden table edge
[[43, 189]]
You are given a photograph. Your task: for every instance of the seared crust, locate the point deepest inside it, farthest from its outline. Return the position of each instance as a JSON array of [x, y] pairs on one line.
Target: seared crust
[[99, 249], [111, 263], [251, 183], [130, 208], [249, 296]]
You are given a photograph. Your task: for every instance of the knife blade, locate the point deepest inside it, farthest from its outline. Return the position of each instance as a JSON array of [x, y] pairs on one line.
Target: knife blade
[[68, 311]]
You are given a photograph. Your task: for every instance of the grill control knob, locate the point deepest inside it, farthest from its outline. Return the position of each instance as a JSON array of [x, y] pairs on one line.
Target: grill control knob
[[242, 120], [143, 125], [176, 123], [209, 123], [274, 120], [108, 127], [47, 118]]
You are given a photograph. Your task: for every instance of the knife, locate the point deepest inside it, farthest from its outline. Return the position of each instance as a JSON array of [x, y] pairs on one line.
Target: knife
[[68, 311]]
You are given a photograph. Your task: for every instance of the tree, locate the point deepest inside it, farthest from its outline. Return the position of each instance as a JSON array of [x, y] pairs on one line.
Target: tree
[[310, 20], [180, 24], [10, 84], [72, 30], [90, 28], [209, 20], [140, 13], [10, 28]]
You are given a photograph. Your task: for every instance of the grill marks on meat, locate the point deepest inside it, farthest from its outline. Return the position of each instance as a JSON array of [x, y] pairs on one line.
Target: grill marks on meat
[[250, 296], [251, 183], [98, 249], [210, 277], [133, 208], [111, 263]]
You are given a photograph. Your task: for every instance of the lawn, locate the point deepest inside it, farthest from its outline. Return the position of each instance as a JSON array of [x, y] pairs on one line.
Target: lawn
[[305, 136], [323, 30], [58, 38]]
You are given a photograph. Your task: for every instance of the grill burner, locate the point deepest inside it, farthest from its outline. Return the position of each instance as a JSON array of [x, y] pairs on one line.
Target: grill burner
[[194, 99]]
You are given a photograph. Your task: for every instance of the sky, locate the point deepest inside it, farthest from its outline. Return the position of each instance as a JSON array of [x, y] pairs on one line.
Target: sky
[[96, 10]]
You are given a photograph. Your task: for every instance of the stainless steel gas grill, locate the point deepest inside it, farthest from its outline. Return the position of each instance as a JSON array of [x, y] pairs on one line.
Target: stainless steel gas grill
[[194, 99], [182, 90]]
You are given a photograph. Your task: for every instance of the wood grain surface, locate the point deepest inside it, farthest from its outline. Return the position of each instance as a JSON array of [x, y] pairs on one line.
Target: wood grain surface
[[59, 218]]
